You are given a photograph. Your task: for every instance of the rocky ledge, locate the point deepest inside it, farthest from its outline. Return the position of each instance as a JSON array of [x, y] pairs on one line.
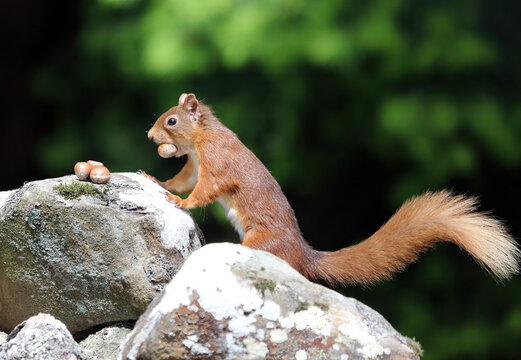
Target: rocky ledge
[[232, 302], [92, 255], [88, 254]]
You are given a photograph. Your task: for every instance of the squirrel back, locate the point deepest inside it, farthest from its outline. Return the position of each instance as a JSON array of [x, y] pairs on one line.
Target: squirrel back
[[220, 168]]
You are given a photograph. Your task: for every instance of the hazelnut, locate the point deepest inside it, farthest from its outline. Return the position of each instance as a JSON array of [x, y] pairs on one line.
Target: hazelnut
[[82, 170], [167, 150], [95, 163], [99, 174]]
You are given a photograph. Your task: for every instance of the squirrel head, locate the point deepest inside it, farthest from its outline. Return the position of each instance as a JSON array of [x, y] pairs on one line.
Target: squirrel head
[[179, 126]]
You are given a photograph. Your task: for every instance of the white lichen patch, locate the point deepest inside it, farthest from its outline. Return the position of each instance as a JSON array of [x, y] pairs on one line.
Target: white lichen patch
[[234, 349], [301, 355], [196, 348], [270, 310], [286, 322], [314, 319], [255, 350], [358, 331], [193, 338], [278, 335], [242, 325], [178, 224]]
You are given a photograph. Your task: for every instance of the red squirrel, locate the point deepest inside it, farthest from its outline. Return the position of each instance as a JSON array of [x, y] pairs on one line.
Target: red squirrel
[[221, 168]]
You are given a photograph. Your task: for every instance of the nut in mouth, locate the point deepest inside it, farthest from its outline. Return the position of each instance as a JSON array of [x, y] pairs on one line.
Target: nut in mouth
[[167, 150]]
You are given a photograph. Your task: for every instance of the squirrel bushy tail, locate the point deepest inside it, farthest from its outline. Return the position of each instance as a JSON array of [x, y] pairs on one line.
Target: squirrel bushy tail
[[417, 226]]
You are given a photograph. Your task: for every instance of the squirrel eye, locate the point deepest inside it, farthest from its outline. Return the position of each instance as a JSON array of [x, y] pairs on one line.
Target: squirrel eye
[[172, 121]]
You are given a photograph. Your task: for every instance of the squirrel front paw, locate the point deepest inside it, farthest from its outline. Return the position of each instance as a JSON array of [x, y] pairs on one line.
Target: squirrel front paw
[[150, 177], [176, 200]]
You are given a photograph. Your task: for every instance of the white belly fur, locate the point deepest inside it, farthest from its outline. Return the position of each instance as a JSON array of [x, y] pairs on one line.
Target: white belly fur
[[233, 216]]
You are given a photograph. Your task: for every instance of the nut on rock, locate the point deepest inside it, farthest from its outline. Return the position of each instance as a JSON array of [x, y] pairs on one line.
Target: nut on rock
[[98, 173], [82, 170]]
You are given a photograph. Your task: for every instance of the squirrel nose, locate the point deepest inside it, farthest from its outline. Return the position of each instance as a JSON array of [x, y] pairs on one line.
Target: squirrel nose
[[150, 135]]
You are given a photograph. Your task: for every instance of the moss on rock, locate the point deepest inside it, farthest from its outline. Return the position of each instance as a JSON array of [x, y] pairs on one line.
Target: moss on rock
[[263, 285], [76, 189]]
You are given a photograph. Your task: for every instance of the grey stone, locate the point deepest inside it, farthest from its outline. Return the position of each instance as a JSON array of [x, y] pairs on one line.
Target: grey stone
[[232, 302], [3, 337], [41, 337], [105, 344], [93, 259]]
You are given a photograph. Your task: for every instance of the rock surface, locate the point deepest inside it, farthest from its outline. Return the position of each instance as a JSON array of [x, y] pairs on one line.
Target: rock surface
[[92, 259], [3, 337], [105, 344], [41, 337], [232, 302]]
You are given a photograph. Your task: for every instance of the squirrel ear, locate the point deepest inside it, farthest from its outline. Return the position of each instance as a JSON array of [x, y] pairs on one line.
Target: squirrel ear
[[182, 99], [190, 104]]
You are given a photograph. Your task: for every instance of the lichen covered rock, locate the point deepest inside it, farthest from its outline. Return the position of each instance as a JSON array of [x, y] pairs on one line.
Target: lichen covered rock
[[232, 302], [41, 337], [104, 344], [88, 254]]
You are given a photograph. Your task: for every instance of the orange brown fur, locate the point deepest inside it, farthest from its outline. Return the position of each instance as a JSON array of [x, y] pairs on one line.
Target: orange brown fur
[[221, 168]]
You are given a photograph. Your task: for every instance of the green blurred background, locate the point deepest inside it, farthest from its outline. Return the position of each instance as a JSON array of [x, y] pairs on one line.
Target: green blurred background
[[353, 105]]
